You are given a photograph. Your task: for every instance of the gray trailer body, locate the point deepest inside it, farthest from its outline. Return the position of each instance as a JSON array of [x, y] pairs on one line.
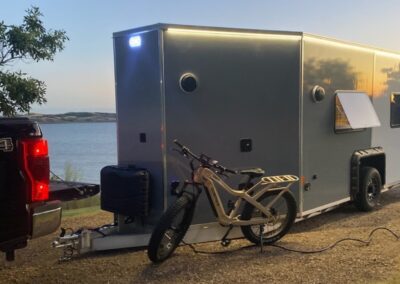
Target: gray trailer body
[[254, 85]]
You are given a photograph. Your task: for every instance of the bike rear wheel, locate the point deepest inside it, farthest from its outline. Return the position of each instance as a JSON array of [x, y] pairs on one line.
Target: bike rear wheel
[[171, 229], [283, 213]]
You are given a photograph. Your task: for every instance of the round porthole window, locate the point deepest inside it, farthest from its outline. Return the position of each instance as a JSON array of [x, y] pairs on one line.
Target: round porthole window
[[318, 94], [188, 83]]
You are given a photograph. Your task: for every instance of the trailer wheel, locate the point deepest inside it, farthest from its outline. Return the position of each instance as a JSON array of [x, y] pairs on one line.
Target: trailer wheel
[[369, 191], [283, 211], [171, 229]]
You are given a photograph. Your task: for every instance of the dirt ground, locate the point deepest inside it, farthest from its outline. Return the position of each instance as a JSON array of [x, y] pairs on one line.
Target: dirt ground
[[347, 263]]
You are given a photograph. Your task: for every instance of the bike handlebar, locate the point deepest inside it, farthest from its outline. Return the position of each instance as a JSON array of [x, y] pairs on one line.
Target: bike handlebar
[[203, 159], [178, 143], [186, 151]]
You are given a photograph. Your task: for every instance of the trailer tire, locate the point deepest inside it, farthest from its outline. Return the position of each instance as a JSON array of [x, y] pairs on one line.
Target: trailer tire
[[175, 221], [369, 191], [250, 232]]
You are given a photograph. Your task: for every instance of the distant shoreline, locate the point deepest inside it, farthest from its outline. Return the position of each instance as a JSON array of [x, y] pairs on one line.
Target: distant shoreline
[[73, 117], [69, 122]]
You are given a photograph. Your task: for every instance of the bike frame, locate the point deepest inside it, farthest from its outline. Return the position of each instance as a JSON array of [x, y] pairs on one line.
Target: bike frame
[[210, 179]]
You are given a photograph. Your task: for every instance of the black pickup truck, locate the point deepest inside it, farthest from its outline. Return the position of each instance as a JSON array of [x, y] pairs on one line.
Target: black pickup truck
[[25, 209]]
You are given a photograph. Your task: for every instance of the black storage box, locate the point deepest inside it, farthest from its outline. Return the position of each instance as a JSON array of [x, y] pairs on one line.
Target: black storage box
[[125, 190]]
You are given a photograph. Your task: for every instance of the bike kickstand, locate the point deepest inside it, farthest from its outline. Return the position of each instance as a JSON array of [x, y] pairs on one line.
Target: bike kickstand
[[224, 241], [261, 238]]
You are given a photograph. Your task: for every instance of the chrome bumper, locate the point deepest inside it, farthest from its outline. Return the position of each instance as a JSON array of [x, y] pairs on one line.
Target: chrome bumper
[[46, 218]]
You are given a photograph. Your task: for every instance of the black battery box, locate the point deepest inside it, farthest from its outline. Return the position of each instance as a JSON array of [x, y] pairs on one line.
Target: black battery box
[[125, 190]]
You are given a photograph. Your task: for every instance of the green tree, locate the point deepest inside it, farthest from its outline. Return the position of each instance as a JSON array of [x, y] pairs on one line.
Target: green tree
[[30, 41]]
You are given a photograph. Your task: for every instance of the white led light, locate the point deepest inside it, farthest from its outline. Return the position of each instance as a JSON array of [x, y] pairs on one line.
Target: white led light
[[336, 43], [234, 34], [135, 41]]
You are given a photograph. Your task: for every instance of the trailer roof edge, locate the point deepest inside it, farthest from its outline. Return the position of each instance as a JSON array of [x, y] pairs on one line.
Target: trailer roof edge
[[366, 47], [165, 26], [344, 43]]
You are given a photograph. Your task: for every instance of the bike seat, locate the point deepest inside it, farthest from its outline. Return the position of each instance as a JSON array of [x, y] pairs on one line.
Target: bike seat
[[253, 173]]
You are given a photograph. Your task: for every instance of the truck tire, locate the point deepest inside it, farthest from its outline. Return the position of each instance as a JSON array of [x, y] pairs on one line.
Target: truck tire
[[285, 206], [369, 191], [171, 229]]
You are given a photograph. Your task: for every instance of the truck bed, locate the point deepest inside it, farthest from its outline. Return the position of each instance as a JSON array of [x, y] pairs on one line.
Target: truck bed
[[69, 190]]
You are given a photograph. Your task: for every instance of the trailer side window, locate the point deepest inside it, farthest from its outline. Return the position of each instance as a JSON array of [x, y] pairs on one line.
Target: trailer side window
[[395, 110], [341, 121], [354, 111]]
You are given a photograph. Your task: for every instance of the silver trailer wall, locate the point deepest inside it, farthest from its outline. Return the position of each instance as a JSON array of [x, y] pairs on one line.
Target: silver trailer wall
[[325, 154], [139, 108], [387, 82], [248, 87]]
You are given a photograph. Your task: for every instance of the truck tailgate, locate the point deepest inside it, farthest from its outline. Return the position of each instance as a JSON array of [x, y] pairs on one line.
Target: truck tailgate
[[14, 216]]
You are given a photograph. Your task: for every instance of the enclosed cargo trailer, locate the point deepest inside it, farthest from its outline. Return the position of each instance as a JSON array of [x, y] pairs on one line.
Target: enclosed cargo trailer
[[288, 102]]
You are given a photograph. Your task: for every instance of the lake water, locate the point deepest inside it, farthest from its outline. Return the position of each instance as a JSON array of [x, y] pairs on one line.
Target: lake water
[[86, 147]]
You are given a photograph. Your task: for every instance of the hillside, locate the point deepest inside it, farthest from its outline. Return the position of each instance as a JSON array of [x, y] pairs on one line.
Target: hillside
[[74, 117]]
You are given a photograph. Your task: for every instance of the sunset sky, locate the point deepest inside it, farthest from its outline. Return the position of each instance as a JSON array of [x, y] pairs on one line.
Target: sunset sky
[[81, 77]]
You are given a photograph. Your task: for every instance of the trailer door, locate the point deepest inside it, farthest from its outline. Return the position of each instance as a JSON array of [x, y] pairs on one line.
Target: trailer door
[[326, 151], [387, 104]]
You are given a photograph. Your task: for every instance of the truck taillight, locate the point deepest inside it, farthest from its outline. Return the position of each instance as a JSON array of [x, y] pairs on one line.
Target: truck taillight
[[36, 167]]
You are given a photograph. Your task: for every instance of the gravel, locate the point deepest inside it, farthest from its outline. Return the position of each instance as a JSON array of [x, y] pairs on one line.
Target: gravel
[[348, 262]]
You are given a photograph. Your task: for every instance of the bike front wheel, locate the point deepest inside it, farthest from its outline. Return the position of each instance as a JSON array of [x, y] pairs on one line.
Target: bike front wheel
[[282, 216], [171, 229]]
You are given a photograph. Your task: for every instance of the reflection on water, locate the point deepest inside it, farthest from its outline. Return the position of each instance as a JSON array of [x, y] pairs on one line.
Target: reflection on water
[[86, 146]]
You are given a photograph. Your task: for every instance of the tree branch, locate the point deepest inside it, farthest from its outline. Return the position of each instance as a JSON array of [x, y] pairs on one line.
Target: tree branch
[[30, 41], [11, 58]]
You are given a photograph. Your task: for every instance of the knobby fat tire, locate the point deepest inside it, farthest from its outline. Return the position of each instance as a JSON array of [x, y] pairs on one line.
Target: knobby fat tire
[[291, 216], [186, 203]]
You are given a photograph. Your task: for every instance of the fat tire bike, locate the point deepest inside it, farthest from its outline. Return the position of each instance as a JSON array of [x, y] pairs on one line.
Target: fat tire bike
[[265, 210]]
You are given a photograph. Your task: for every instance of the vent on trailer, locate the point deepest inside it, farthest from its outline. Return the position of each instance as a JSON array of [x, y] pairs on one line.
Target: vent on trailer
[[36, 168]]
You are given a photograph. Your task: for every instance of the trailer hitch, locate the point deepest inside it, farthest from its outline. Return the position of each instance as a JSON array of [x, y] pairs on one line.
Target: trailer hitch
[[69, 243], [72, 243], [80, 241]]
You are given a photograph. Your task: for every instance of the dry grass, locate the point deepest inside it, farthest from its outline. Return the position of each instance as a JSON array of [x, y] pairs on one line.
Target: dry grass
[[347, 263]]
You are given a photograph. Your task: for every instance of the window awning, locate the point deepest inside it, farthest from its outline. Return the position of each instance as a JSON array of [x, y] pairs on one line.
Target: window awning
[[358, 108]]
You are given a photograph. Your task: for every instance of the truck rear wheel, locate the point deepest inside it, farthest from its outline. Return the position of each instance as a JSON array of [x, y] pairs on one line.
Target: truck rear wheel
[[369, 191]]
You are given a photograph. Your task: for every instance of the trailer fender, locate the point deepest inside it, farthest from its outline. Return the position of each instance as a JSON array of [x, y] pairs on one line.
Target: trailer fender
[[373, 157]]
